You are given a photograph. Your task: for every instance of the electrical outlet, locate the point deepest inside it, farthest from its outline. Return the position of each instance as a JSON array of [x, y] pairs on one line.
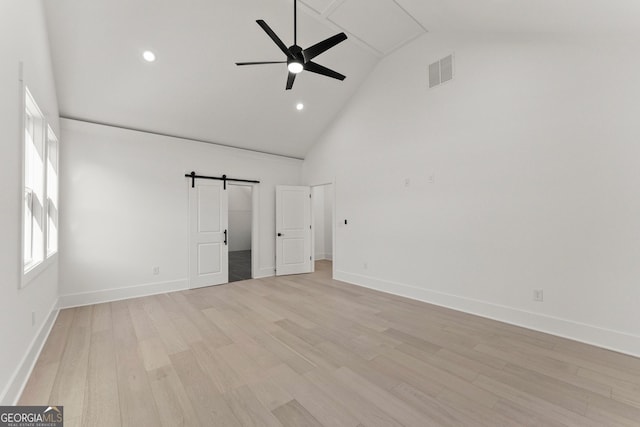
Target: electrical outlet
[[156, 271], [407, 182], [432, 179], [538, 295]]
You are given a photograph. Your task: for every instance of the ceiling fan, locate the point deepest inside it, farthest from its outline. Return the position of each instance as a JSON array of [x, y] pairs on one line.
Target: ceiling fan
[[299, 59]]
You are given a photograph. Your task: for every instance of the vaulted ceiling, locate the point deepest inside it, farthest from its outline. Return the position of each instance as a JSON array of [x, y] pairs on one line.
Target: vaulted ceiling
[[194, 90]]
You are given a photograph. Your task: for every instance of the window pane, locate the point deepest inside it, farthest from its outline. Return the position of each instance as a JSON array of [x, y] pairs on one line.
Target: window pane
[[28, 226], [52, 192]]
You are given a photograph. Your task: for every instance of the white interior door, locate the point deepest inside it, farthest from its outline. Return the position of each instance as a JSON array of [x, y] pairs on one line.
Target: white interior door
[[208, 243], [293, 230]]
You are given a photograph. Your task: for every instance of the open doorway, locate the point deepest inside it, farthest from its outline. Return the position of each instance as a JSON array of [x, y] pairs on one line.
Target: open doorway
[[323, 222], [240, 232]]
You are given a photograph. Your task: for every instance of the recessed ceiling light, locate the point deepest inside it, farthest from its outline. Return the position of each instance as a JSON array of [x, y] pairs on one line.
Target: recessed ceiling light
[[149, 56], [300, 106]]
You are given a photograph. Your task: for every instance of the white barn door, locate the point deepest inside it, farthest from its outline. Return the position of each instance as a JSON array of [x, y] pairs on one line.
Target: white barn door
[[293, 230], [208, 223]]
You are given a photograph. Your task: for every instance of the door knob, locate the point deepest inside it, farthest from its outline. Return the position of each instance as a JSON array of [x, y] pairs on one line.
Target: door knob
[[279, 234]]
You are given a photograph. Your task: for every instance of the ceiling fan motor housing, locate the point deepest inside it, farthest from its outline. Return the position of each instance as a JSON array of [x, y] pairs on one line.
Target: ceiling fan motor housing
[[296, 61]]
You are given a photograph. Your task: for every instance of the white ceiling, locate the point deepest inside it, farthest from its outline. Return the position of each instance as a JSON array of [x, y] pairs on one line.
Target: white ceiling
[[195, 91], [536, 16]]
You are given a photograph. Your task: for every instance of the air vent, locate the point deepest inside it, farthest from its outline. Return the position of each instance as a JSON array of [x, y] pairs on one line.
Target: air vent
[[441, 71]]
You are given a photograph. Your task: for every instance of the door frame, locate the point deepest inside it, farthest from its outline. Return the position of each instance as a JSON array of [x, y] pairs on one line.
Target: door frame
[[255, 224], [333, 227]]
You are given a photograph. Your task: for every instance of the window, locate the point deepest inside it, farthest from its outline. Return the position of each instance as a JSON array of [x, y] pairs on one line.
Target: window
[[34, 156], [40, 208]]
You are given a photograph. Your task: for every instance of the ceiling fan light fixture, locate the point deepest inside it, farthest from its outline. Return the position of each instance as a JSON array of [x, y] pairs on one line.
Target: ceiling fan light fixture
[[295, 67]]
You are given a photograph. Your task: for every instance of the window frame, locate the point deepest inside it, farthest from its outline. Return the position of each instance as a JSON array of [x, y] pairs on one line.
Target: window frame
[[40, 258]]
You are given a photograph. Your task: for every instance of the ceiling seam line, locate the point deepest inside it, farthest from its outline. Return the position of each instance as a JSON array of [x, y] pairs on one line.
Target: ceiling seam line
[[168, 135], [411, 16]]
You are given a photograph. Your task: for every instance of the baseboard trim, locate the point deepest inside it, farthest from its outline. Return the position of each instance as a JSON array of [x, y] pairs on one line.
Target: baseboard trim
[[589, 334], [12, 392], [110, 295]]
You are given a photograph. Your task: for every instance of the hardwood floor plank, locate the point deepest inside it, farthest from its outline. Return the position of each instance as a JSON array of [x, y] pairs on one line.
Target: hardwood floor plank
[[620, 390], [270, 394], [416, 379], [137, 406], [153, 354], [434, 412], [444, 378], [187, 330], [249, 410], [223, 376], [293, 414], [537, 404], [174, 406], [168, 333], [524, 415], [467, 406], [40, 383], [209, 331], [38, 388], [69, 386], [37, 391], [141, 322], [210, 407], [102, 402], [341, 356], [57, 340], [298, 362], [364, 409], [322, 406], [386, 401], [101, 318]]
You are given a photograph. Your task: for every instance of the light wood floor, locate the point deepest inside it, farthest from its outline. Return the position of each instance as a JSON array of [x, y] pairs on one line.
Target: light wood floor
[[309, 351]]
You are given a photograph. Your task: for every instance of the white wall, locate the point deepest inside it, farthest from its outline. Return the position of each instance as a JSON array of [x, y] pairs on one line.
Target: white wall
[[125, 209], [22, 38], [317, 198], [328, 221], [240, 217], [534, 152], [322, 221]]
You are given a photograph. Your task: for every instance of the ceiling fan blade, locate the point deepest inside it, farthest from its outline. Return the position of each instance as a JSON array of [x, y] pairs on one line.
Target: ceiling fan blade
[[261, 63], [290, 80], [319, 69], [275, 38], [318, 48]]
